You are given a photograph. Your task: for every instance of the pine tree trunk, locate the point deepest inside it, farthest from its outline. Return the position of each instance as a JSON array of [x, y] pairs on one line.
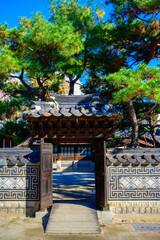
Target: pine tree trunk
[[71, 89], [71, 86], [134, 124]]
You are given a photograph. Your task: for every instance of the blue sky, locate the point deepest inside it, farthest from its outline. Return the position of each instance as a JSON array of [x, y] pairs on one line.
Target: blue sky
[[11, 10]]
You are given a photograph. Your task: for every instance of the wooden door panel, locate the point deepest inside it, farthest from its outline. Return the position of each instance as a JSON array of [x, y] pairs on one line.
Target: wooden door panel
[[46, 175], [100, 174]]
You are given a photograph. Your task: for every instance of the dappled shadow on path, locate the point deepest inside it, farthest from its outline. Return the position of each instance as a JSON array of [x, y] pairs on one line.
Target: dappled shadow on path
[[73, 186]]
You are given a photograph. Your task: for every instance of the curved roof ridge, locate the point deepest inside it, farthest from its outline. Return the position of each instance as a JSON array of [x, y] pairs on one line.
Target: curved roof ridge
[[81, 95], [74, 100]]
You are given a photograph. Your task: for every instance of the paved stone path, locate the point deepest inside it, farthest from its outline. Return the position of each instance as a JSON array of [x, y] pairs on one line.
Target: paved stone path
[[73, 185]]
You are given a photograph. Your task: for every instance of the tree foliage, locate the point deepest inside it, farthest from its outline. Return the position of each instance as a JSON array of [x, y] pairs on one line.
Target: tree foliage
[[139, 89], [78, 43], [141, 83], [137, 29], [74, 42], [9, 108], [19, 130], [135, 35], [36, 50]]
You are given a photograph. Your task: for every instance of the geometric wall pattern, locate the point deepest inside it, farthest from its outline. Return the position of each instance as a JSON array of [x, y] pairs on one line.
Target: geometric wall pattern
[[19, 183], [139, 182], [133, 183], [13, 183]]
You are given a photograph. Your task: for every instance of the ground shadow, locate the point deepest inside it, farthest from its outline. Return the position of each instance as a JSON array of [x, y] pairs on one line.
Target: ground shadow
[[45, 219]]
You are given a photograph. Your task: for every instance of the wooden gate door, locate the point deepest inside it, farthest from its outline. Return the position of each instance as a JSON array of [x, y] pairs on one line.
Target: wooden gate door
[[100, 175], [46, 150]]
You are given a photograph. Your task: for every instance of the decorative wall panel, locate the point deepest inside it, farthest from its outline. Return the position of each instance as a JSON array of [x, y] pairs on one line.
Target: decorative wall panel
[[19, 183], [133, 183], [13, 183], [139, 182]]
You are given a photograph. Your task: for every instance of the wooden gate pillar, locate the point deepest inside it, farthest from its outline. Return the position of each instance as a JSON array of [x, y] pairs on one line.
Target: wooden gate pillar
[[101, 175], [46, 174]]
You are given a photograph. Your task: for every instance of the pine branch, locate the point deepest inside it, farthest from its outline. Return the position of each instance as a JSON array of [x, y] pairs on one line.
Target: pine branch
[[147, 113], [152, 51], [21, 78]]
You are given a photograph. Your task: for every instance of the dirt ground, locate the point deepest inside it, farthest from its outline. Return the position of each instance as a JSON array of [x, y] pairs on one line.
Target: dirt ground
[[25, 228]]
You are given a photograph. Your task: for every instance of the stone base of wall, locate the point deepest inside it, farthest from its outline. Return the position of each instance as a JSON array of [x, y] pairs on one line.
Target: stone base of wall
[[143, 207], [19, 207]]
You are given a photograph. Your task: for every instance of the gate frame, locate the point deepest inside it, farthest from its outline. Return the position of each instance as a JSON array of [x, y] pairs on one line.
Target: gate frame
[[100, 174], [46, 174]]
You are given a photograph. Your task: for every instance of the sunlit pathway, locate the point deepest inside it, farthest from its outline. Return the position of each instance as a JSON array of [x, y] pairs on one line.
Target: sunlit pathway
[[72, 185]]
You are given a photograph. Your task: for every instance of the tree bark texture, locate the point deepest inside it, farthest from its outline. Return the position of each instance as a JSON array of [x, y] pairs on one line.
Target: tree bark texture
[[71, 85], [71, 88], [134, 124]]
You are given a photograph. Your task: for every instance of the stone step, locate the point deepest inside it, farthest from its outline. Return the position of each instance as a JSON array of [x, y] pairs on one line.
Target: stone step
[[64, 215], [91, 230], [69, 208], [71, 205], [73, 218], [74, 231], [76, 225], [69, 217], [78, 220], [72, 210], [79, 214], [96, 232]]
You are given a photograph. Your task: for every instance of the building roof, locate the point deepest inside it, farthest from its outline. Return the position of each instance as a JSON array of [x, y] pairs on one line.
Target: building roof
[[71, 105], [73, 100]]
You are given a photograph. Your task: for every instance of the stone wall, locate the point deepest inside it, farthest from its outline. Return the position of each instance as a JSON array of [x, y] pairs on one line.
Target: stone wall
[[19, 180], [133, 177], [133, 180]]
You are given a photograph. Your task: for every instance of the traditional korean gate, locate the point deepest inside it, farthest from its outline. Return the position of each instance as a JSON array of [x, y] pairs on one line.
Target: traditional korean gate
[[47, 175], [100, 175], [46, 150]]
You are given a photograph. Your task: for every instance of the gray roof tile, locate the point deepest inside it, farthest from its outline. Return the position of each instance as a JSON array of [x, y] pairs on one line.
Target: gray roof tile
[[137, 156], [9, 156], [87, 105]]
